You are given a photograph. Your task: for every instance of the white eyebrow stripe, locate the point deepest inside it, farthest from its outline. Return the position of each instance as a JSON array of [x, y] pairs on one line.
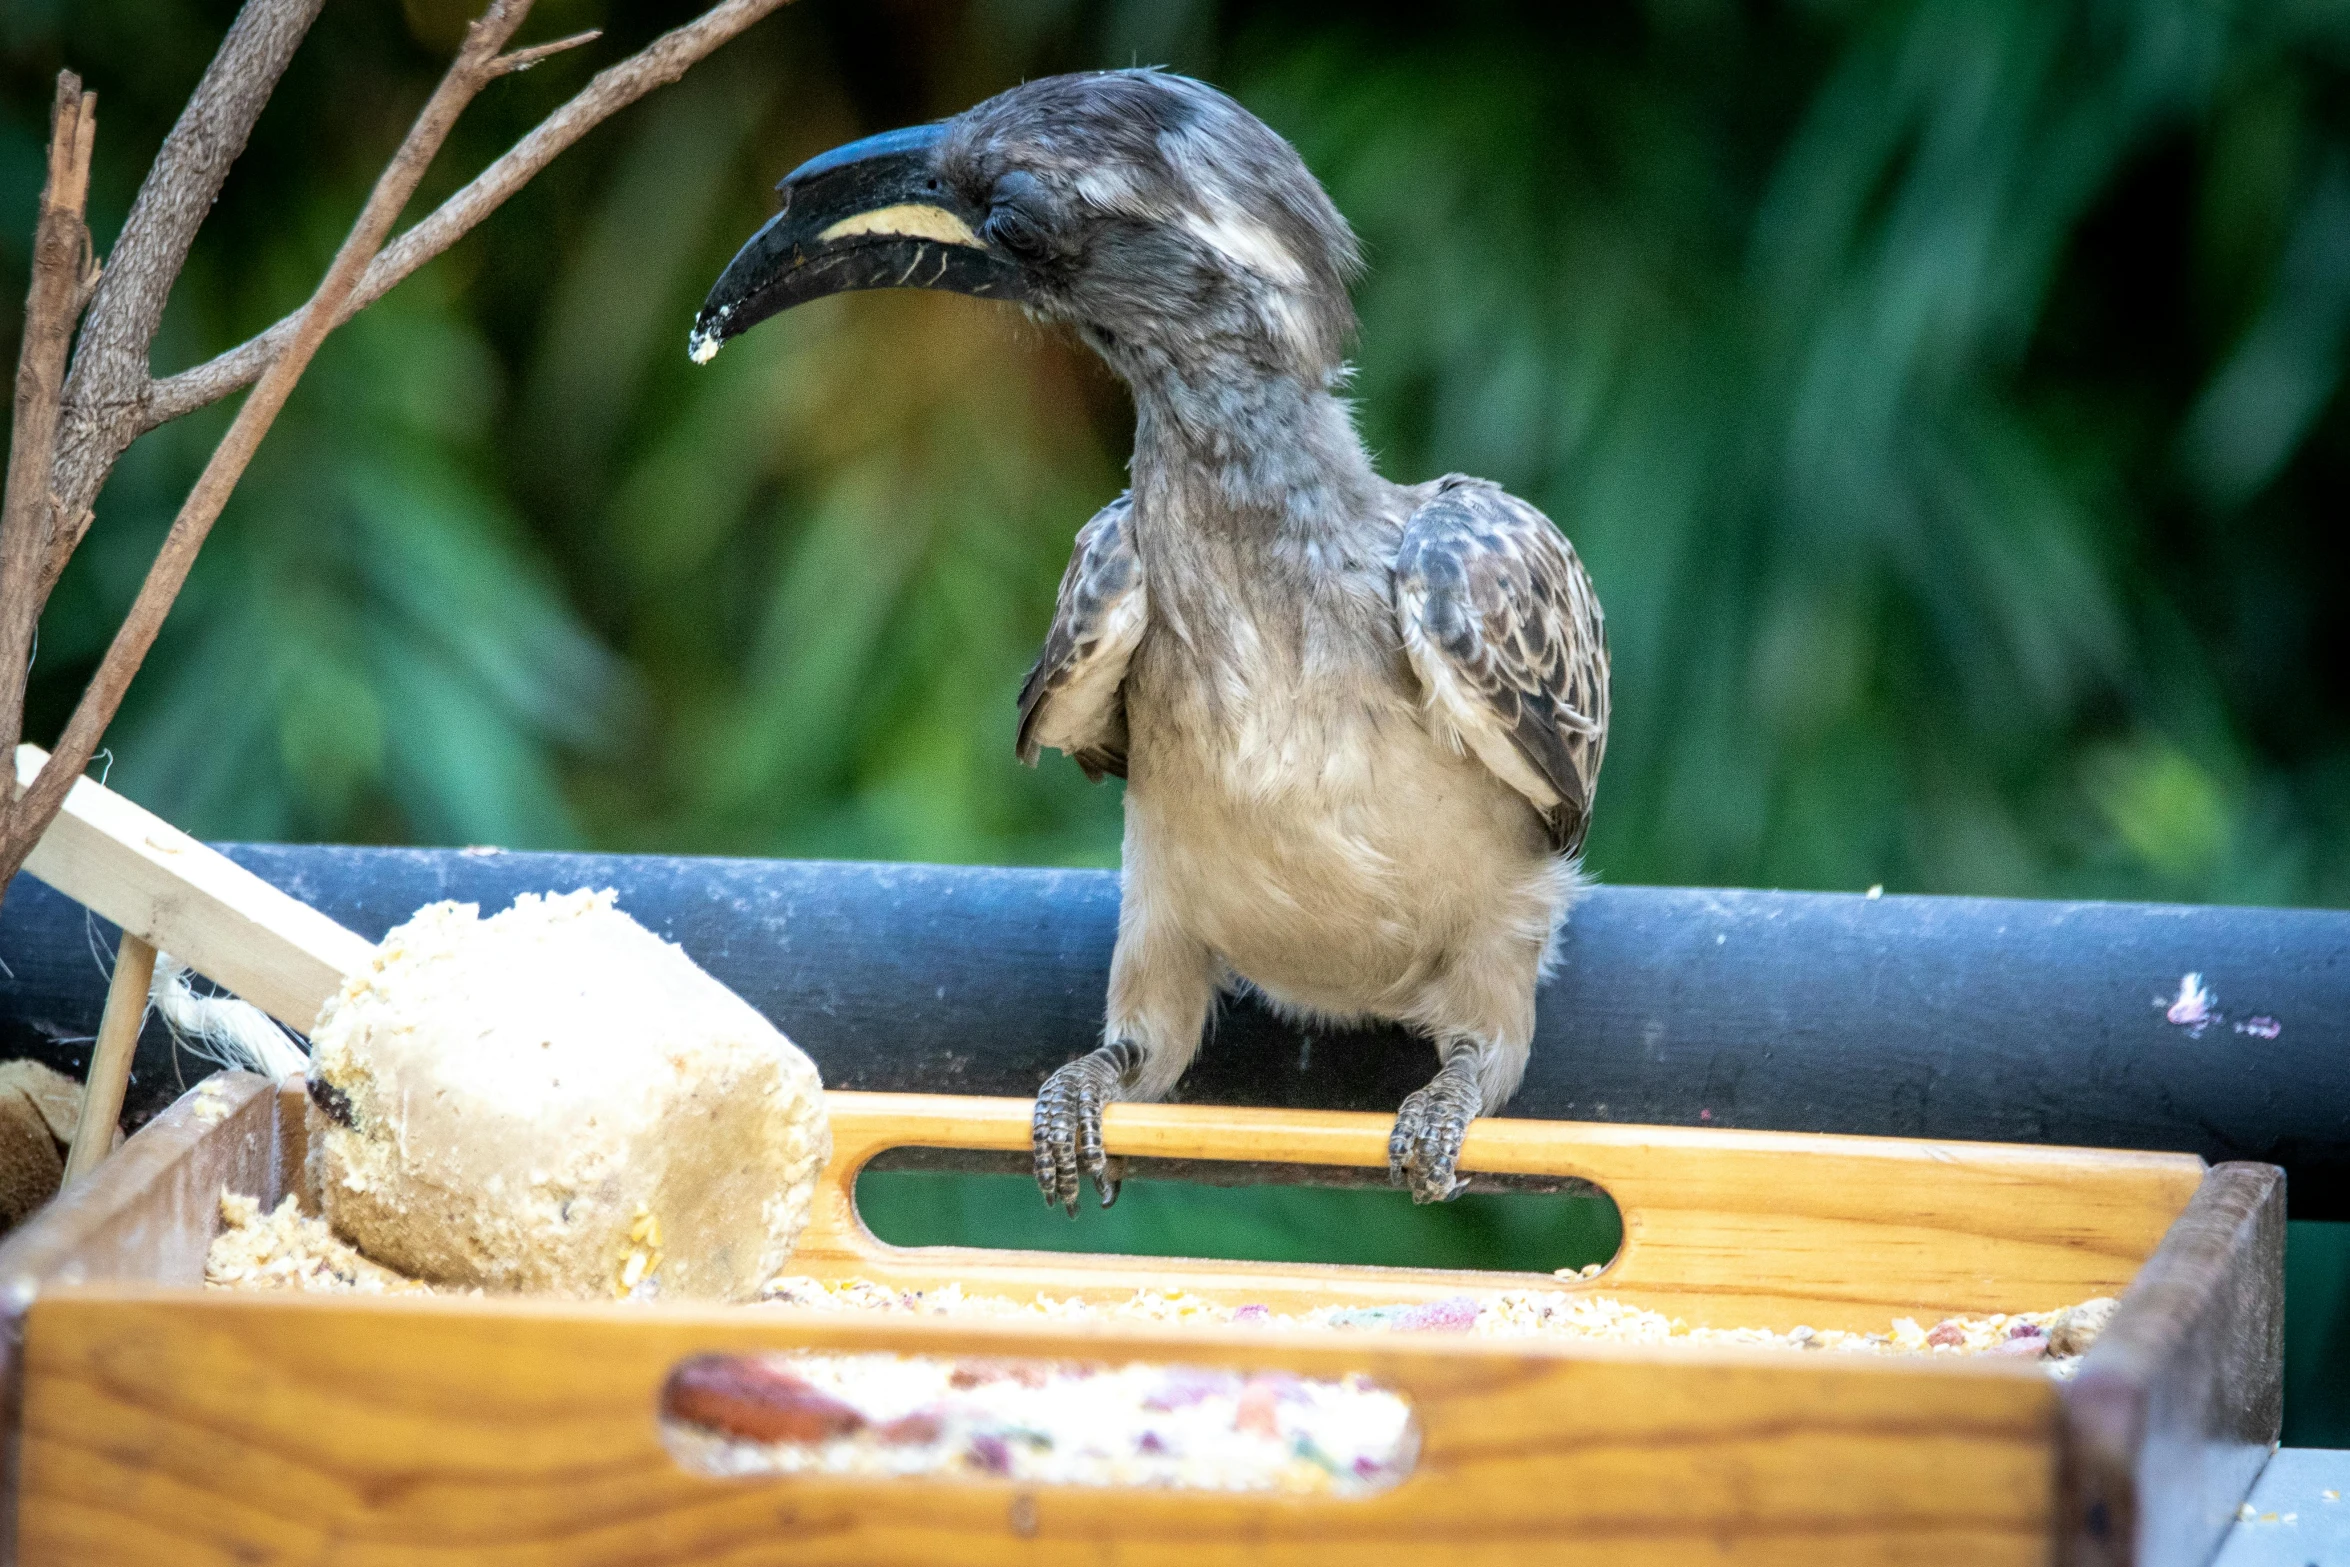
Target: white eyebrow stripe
[[1110, 191], [912, 220], [1245, 241]]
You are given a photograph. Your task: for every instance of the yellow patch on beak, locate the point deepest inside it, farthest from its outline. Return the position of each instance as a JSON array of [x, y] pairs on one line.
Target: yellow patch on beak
[[912, 220]]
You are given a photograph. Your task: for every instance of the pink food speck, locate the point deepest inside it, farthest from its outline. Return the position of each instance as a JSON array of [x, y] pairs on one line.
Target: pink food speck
[[1453, 1314], [2191, 1008], [1251, 1313], [1255, 1410], [1185, 1386], [919, 1429], [2260, 1027]]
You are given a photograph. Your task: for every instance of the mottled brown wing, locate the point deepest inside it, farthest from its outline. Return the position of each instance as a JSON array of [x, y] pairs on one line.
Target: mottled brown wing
[[1504, 631], [1075, 697]]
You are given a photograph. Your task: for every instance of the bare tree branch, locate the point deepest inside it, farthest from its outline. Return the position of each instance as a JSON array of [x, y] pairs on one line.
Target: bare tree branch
[[110, 376], [71, 427], [476, 65], [659, 63], [61, 249]]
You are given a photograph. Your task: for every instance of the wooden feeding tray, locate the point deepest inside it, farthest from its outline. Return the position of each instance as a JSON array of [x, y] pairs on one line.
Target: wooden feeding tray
[[149, 1419], [155, 1420]]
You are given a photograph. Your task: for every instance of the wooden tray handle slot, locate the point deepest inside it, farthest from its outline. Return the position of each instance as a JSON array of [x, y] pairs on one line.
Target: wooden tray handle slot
[[1706, 1214]]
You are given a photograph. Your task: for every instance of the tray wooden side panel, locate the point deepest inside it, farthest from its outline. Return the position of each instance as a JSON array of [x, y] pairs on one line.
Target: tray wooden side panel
[[161, 1425], [1758, 1229], [151, 1210], [148, 1213], [2179, 1403]]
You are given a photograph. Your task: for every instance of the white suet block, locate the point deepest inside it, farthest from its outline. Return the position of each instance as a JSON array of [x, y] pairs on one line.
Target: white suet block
[[555, 1100]]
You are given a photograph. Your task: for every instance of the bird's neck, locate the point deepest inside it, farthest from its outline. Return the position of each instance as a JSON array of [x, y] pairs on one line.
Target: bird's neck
[[1266, 453]]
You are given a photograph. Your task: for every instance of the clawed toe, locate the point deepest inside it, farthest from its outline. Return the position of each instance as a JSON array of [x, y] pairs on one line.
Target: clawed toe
[[1425, 1147], [1066, 1130]]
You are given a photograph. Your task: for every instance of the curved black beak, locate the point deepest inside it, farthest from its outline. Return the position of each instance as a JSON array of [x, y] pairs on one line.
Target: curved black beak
[[872, 214]]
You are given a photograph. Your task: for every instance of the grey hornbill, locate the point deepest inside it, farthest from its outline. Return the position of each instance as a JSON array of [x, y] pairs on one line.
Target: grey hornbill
[[1359, 722]]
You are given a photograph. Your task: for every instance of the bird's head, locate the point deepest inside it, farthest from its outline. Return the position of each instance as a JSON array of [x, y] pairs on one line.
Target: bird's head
[[1169, 226]]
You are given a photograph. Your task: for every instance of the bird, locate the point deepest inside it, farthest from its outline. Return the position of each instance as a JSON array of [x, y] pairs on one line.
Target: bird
[[1360, 722]]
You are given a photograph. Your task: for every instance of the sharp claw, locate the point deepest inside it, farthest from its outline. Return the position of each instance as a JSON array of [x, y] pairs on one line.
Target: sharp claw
[[1108, 1177]]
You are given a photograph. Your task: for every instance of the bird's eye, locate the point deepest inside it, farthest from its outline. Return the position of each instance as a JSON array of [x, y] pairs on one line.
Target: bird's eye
[[1013, 221], [1016, 231]]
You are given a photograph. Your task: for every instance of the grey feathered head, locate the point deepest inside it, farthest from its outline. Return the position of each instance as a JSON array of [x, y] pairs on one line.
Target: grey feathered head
[[1171, 227]]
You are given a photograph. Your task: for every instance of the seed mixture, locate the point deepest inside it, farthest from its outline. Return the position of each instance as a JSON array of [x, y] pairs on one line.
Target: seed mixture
[[2056, 1339], [288, 1249], [1045, 1422]]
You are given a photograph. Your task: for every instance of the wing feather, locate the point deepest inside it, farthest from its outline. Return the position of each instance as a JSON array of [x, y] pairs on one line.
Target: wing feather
[[1501, 625], [1075, 698]]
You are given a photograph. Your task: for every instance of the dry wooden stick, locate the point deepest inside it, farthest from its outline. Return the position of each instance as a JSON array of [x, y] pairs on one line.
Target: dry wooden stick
[[477, 64], [61, 283], [659, 63], [110, 1058]]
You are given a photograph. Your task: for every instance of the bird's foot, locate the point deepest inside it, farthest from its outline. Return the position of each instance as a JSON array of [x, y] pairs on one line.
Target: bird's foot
[[1067, 1129], [1426, 1142]]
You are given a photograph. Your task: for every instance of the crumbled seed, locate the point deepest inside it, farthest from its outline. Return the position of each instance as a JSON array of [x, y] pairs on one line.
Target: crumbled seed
[[286, 1249]]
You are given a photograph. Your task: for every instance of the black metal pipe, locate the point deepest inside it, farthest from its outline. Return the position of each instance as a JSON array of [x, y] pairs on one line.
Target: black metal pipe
[[1971, 1018]]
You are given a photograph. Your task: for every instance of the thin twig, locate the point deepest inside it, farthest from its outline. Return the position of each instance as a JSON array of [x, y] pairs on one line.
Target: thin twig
[[474, 68], [659, 63], [110, 375], [61, 249], [515, 61]]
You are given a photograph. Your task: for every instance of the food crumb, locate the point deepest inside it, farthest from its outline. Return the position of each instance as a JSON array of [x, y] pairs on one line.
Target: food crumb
[[287, 1249]]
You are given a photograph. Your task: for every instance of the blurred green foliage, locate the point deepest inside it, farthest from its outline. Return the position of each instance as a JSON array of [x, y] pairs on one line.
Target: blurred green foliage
[[1373, 1226], [1944, 393]]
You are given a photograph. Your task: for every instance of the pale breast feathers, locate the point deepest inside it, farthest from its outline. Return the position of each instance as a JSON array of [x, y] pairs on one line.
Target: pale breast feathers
[[1074, 699], [1502, 627]]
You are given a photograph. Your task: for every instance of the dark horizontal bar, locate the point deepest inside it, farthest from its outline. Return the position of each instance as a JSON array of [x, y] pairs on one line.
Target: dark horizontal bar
[[1966, 1018]]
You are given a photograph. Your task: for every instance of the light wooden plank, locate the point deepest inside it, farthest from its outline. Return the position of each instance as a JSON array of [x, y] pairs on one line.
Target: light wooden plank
[[174, 893], [254, 1429], [1723, 1228]]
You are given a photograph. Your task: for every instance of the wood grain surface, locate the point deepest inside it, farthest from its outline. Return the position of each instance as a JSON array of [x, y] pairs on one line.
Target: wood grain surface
[[268, 1429], [2179, 1403], [1721, 1228]]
